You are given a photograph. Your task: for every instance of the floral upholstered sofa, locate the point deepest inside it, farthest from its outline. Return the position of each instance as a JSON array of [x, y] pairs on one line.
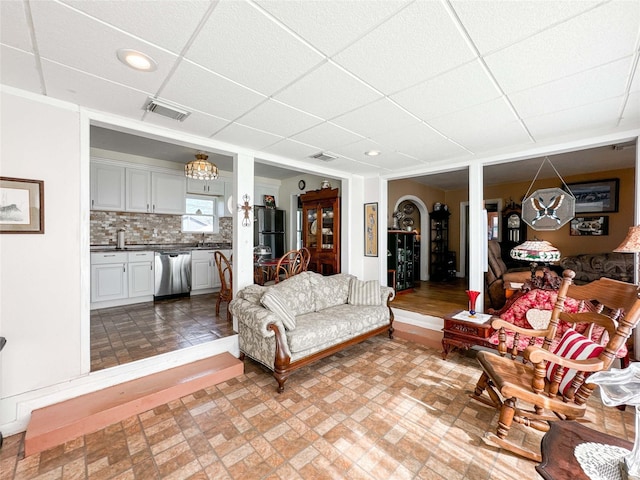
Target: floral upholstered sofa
[[307, 317]]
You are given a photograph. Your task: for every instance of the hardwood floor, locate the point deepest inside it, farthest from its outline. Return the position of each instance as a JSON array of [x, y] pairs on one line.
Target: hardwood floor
[[434, 298]]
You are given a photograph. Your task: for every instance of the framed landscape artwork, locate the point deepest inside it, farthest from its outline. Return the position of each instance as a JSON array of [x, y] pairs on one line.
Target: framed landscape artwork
[[371, 229], [596, 226], [599, 196], [21, 205]]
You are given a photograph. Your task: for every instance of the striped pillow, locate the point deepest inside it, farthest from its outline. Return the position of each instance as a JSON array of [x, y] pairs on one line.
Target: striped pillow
[[275, 302], [573, 346], [364, 293]]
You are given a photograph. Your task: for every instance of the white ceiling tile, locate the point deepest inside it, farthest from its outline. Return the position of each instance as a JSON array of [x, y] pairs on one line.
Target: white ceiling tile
[[246, 137], [457, 89], [421, 142], [601, 115], [329, 25], [18, 69], [493, 112], [241, 43], [493, 25], [635, 83], [375, 118], [631, 114], [485, 137], [89, 46], [418, 43], [586, 87], [388, 159], [594, 38], [292, 149], [14, 30], [290, 120], [326, 134], [344, 165], [167, 23], [77, 87], [326, 92], [194, 87]]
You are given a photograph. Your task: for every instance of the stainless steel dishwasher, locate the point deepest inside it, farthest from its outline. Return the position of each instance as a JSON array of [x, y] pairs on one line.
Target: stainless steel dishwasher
[[173, 273]]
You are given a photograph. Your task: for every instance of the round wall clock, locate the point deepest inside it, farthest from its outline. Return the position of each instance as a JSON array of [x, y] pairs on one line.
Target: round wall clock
[[301, 184]]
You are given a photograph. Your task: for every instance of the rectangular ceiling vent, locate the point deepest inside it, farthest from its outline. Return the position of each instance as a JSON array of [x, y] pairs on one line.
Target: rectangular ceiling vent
[[324, 156], [166, 109]]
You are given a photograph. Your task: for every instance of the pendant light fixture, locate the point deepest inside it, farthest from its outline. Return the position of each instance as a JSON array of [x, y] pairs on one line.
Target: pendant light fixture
[[201, 168]]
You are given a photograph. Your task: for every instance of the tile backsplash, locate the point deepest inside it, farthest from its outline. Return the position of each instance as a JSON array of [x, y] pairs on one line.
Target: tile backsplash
[[149, 228]]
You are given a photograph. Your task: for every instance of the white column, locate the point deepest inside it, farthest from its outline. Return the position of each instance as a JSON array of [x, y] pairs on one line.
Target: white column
[[243, 184], [477, 233]]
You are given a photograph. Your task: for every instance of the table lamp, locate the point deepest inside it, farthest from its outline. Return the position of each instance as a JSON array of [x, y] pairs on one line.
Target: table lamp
[[631, 243], [536, 251]]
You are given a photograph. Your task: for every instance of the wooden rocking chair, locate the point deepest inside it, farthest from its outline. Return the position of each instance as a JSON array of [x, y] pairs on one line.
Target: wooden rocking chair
[[525, 391]]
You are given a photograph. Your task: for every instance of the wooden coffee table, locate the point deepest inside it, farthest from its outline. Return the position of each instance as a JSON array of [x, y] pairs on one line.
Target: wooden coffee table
[[464, 334]]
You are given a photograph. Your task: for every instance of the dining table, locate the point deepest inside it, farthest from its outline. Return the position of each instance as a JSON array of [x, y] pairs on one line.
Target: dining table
[[265, 269]]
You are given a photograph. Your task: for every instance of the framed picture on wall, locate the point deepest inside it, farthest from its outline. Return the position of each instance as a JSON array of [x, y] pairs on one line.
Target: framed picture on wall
[[21, 205], [599, 196], [371, 229], [590, 226], [270, 201]]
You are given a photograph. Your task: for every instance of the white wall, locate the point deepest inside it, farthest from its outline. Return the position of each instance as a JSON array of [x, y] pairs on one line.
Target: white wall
[[40, 275]]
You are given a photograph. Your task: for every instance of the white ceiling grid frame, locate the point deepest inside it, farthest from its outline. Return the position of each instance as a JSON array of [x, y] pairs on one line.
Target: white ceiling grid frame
[[272, 58], [633, 81], [577, 46], [18, 69]]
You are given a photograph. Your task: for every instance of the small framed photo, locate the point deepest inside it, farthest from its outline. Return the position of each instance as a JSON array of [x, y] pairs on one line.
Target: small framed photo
[[21, 205], [599, 196], [371, 229], [590, 226], [270, 201]]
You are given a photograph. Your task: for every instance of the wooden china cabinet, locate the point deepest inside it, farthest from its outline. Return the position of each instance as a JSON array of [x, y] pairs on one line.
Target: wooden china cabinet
[[321, 229]]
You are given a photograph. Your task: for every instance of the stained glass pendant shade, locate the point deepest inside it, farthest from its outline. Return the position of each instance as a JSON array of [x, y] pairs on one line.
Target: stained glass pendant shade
[[201, 168]]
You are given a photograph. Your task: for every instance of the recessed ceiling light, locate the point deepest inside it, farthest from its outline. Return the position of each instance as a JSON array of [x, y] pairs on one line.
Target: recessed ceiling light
[[137, 60], [372, 153]]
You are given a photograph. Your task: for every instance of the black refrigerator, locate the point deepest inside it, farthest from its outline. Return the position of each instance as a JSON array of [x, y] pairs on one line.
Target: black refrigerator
[[269, 230]]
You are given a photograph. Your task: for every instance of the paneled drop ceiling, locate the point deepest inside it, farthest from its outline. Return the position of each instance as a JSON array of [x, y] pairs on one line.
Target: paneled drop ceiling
[[423, 81]]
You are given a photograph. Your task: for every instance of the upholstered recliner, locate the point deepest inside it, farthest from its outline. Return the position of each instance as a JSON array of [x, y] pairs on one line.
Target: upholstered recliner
[[498, 276]]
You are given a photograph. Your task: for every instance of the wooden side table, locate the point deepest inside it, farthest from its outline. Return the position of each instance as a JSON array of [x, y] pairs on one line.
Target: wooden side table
[[558, 444], [464, 334]]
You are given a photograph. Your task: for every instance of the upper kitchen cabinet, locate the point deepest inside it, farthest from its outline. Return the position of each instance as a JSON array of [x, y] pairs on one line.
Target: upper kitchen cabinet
[[136, 189], [206, 187], [138, 198], [107, 187], [167, 193]]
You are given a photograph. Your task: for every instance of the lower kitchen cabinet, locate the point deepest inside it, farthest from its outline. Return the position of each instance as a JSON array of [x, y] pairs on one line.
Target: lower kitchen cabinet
[[121, 278], [108, 276], [204, 272], [141, 276]]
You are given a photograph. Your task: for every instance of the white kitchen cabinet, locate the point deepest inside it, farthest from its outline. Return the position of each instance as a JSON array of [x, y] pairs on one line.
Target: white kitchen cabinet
[[203, 267], [168, 192], [141, 275], [108, 276], [204, 271], [107, 187], [205, 187], [138, 197]]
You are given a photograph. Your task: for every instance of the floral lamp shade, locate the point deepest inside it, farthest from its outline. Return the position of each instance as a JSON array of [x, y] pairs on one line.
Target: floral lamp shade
[[548, 209], [631, 244], [536, 251]]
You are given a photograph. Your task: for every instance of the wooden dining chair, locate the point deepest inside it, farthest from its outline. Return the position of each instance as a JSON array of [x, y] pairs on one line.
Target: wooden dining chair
[[290, 264], [306, 258], [226, 282], [537, 385]]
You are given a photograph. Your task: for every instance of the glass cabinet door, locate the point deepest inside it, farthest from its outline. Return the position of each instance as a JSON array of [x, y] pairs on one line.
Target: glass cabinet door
[[327, 228], [311, 235]]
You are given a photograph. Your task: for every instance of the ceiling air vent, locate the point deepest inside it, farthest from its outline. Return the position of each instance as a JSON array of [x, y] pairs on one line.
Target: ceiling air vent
[[324, 156], [166, 109]]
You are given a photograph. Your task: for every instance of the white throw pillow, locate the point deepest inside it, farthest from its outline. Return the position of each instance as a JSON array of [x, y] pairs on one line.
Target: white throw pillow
[[364, 293], [272, 300]]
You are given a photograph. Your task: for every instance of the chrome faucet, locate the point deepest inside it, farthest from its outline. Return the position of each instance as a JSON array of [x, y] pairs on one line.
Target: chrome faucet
[[201, 244]]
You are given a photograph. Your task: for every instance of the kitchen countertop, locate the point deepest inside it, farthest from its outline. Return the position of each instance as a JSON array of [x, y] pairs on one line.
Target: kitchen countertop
[[161, 247]]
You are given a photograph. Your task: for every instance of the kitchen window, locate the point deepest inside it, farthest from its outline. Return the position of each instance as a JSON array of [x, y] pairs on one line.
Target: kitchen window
[[200, 215]]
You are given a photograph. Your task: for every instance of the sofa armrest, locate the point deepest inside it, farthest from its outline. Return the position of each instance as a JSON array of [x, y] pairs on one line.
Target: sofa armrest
[[387, 294], [255, 317]]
